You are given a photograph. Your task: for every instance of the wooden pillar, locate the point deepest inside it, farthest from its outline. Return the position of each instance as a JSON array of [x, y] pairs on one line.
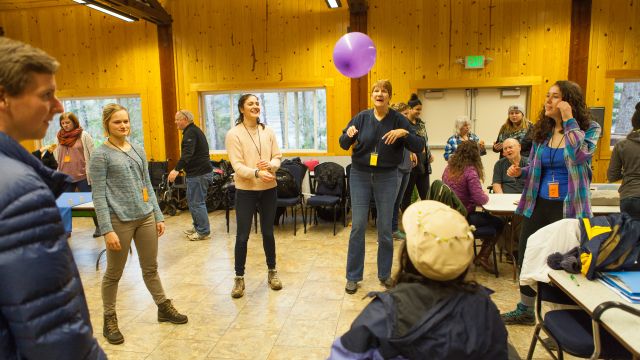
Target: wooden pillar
[[359, 86], [168, 89], [579, 42]]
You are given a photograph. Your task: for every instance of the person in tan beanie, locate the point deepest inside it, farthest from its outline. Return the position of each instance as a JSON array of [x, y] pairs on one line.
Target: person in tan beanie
[[433, 311]]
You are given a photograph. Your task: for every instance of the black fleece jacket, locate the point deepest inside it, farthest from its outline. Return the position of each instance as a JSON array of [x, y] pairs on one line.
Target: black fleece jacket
[[195, 152]]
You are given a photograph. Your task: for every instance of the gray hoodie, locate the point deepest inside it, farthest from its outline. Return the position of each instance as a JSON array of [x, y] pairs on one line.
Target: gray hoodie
[[625, 165]]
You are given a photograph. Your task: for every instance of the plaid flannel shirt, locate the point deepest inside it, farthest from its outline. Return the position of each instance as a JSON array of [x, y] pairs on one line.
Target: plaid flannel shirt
[[454, 141], [579, 148]]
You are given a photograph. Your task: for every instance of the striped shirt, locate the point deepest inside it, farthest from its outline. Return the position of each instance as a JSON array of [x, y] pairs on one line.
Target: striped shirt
[[579, 148]]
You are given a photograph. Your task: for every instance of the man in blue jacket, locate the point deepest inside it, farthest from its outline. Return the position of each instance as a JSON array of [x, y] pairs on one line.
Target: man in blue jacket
[[43, 310]]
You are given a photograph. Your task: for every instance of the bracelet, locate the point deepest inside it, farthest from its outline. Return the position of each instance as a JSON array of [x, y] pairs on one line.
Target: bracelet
[[256, 173]]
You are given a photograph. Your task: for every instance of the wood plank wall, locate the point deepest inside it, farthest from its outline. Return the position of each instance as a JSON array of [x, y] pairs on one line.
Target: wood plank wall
[[419, 41], [258, 44], [614, 53], [99, 55]]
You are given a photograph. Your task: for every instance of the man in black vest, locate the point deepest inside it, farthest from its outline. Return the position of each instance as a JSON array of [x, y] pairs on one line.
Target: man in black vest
[[196, 163]]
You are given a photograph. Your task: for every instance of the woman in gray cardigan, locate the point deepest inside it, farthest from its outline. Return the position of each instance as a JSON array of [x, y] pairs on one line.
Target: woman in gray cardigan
[[126, 206]]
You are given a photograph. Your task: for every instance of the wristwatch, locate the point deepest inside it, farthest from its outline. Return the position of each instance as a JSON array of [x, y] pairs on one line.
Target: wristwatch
[[256, 173]]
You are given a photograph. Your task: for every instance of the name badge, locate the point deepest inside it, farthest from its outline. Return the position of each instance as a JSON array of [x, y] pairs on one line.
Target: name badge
[[67, 158], [145, 194], [554, 190], [373, 159]]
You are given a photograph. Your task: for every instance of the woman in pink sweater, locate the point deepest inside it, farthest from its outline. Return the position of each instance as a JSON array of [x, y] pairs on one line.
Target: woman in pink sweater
[[255, 157], [464, 174]]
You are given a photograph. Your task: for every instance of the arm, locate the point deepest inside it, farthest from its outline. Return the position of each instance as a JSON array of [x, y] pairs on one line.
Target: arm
[[497, 179], [87, 143], [449, 148], [188, 149], [614, 173], [43, 311], [478, 196], [580, 145], [412, 142], [276, 155], [157, 213], [98, 167], [361, 342], [234, 150], [345, 140]]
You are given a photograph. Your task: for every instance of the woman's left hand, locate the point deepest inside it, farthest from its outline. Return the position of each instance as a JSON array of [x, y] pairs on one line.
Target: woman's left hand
[[565, 110], [263, 165], [393, 135], [160, 228]]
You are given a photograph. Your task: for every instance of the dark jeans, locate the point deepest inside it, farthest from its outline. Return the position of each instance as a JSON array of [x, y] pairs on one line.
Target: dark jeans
[[246, 203], [403, 180], [420, 181], [631, 206], [483, 219], [197, 187], [544, 213]]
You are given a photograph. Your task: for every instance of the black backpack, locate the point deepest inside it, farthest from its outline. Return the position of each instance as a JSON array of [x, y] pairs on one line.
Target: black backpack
[[287, 187]]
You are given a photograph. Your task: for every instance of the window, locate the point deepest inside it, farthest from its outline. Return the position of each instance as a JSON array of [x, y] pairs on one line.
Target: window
[[298, 117], [626, 94], [89, 113]]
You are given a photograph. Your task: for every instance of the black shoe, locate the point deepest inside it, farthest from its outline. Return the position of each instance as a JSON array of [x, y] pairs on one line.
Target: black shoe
[[110, 330], [166, 312], [351, 287]]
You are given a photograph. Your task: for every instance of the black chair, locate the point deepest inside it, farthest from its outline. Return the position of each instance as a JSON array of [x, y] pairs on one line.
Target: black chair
[[572, 331], [157, 169], [298, 173], [329, 191]]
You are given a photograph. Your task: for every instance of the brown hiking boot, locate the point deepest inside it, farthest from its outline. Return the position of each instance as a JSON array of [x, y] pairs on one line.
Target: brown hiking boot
[[166, 312], [483, 256], [274, 280], [110, 330], [238, 287]]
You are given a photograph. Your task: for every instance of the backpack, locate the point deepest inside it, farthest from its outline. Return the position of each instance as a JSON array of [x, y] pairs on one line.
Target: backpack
[[609, 243], [287, 187]]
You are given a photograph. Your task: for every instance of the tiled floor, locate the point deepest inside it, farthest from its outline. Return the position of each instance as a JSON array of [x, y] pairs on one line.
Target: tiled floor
[[298, 322]]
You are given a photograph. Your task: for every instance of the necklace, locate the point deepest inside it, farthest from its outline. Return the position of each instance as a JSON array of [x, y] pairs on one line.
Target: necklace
[[258, 148]]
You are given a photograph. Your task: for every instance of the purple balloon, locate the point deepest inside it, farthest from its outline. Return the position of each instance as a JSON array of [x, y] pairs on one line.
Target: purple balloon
[[354, 54]]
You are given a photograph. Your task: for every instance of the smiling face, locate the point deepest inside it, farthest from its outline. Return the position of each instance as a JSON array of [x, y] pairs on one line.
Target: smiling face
[[250, 109], [415, 112], [554, 96], [119, 126], [380, 97], [27, 115], [181, 120], [510, 149]]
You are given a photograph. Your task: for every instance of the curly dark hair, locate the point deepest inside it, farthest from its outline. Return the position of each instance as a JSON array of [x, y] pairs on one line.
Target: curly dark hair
[[571, 93], [467, 153], [635, 119], [407, 273]]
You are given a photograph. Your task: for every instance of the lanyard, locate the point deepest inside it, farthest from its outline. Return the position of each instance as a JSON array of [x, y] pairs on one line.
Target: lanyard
[[253, 141], [140, 165], [552, 154]]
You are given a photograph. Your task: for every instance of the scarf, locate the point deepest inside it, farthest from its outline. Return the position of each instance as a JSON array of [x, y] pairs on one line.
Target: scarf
[[68, 138]]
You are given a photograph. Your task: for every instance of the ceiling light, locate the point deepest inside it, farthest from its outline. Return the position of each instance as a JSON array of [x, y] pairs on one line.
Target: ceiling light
[[107, 10], [333, 3]]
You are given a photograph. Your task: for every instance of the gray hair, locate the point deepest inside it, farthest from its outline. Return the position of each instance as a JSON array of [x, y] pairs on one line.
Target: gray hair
[[187, 115], [17, 63], [513, 140], [460, 121]]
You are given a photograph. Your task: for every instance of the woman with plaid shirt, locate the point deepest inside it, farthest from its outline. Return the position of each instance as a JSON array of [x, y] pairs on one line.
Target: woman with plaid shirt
[[558, 175]]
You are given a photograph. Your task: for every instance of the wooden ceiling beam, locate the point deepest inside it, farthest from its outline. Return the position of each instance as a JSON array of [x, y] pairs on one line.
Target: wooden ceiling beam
[[150, 10]]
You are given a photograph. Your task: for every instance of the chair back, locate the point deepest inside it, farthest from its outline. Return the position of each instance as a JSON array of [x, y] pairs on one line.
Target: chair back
[[440, 192], [156, 171], [298, 171], [329, 179]]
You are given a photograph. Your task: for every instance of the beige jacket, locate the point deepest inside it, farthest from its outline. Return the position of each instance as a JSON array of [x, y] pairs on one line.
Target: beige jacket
[[244, 155]]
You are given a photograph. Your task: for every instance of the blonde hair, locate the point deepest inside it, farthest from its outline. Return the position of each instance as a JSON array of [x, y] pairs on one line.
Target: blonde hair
[[107, 112], [18, 62]]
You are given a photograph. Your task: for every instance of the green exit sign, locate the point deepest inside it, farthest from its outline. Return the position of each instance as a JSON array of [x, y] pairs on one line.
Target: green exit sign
[[474, 62]]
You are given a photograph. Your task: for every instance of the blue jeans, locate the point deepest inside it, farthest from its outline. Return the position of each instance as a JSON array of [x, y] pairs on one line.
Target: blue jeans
[[362, 184], [631, 206], [403, 180], [197, 187]]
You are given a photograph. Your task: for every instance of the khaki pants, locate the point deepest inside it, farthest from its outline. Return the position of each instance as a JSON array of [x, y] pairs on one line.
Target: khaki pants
[[143, 232]]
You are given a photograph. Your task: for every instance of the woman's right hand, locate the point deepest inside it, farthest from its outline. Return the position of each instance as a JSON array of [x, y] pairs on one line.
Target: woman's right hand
[[514, 171], [265, 176], [112, 241], [497, 146], [352, 131]]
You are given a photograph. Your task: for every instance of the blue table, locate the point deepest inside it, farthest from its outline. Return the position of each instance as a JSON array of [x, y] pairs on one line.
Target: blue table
[[66, 202]]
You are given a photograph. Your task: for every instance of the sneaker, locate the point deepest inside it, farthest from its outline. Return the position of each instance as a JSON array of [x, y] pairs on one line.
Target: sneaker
[[110, 330], [522, 315], [387, 283], [238, 287], [190, 231], [351, 287], [274, 280], [197, 237], [399, 235], [166, 312]]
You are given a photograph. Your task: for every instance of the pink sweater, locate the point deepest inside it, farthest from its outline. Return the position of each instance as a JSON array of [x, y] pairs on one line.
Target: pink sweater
[[243, 154], [467, 188]]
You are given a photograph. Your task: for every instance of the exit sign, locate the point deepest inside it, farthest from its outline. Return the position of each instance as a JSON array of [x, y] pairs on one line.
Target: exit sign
[[474, 62]]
